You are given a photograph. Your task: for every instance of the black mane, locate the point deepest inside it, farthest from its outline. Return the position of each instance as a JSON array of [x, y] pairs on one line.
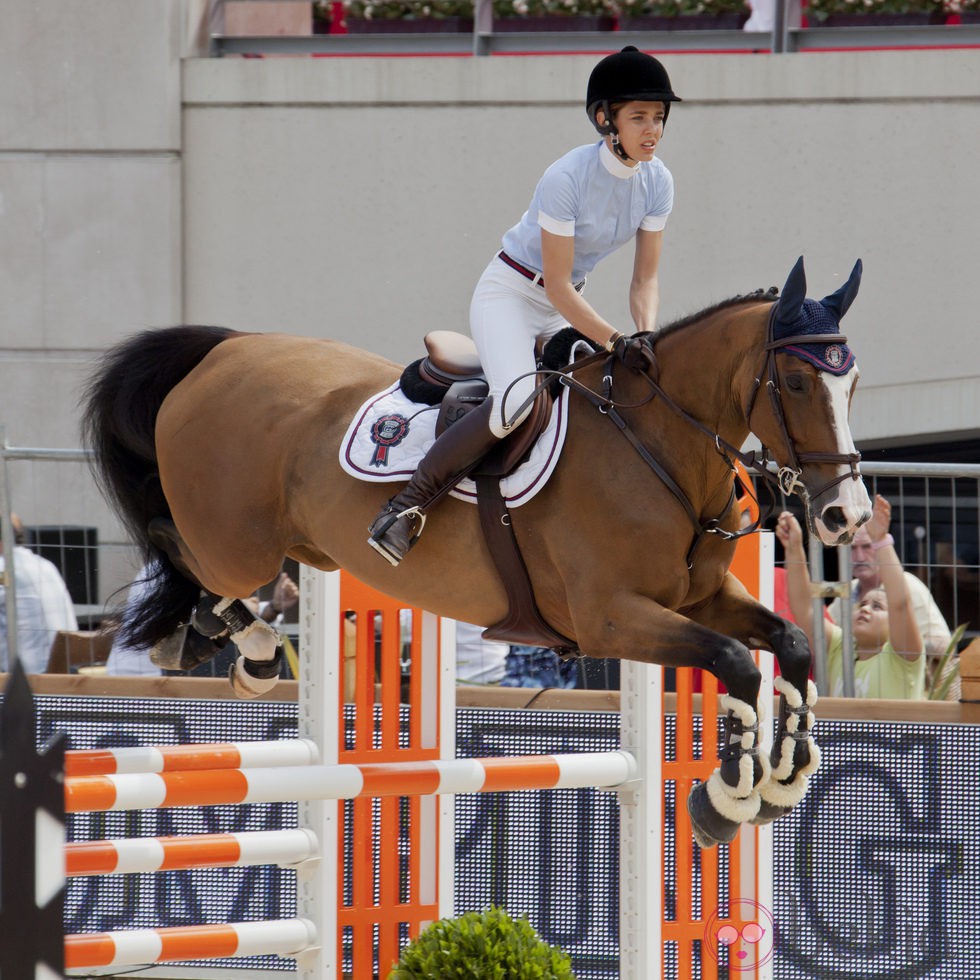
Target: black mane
[[772, 293], [558, 350]]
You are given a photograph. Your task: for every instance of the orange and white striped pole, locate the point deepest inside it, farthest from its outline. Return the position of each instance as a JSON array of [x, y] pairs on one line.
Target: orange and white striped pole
[[148, 854], [142, 791], [285, 937], [181, 758]]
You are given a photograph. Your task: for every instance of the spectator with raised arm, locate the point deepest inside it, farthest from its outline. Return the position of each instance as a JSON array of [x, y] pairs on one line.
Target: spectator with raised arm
[[888, 648], [866, 552]]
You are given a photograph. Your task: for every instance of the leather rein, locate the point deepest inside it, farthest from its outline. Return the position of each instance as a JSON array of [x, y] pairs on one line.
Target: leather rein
[[785, 478]]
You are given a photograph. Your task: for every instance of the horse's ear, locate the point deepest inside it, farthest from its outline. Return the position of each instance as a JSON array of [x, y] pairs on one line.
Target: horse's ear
[[838, 302], [793, 294]]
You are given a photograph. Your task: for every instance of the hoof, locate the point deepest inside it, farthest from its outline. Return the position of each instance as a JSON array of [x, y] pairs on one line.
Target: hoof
[[166, 653], [768, 812], [184, 650], [707, 824], [204, 620]]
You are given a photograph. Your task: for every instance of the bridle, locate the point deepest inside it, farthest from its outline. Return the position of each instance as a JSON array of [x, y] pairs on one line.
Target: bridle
[[785, 478], [788, 477]]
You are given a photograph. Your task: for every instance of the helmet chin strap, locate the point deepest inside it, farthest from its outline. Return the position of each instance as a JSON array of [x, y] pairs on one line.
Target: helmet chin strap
[[608, 128], [618, 148]]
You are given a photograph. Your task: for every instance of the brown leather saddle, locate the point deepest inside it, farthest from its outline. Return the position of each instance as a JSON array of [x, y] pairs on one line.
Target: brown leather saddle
[[451, 376], [452, 361]]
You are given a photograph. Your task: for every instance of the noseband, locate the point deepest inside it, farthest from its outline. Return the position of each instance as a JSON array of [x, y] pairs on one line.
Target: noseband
[[788, 477]]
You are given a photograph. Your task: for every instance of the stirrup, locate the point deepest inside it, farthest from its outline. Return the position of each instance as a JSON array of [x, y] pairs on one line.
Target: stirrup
[[376, 538]]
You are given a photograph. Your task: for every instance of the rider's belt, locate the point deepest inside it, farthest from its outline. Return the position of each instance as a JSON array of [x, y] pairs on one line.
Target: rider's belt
[[527, 273]]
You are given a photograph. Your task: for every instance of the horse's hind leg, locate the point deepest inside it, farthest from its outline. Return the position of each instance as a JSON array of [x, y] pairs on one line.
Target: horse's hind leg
[[189, 646], [260, 651], [795, 756], [731, 794], [216, 620]]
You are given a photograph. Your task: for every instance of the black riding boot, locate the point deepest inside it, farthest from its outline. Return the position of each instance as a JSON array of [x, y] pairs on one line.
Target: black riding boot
[[451, 457]]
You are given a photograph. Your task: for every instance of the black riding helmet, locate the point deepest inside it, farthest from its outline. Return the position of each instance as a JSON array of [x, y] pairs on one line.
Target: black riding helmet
[[626, 76]]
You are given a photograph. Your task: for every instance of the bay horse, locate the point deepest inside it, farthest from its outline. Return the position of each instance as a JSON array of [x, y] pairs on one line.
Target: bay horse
[[219, 449]]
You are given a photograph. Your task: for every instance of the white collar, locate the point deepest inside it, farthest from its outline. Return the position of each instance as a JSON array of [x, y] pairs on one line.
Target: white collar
[[613, 164]]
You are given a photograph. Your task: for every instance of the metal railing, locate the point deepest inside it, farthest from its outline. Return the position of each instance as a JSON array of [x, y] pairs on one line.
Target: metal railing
[[936, 526]]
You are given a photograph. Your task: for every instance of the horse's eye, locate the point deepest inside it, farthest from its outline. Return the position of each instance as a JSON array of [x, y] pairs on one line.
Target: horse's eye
[[794, 382]]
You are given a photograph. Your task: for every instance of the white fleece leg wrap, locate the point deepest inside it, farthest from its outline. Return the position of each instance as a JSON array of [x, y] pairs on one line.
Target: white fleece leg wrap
[[743, 711], [257, 641], [746, 714], [778, 791], [789, 794], [723, 799]]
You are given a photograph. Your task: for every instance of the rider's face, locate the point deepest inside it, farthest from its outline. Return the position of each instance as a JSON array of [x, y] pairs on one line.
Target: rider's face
[[641, 126]]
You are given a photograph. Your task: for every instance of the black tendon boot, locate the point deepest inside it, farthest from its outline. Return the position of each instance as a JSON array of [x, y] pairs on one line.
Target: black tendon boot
[[451, 457]]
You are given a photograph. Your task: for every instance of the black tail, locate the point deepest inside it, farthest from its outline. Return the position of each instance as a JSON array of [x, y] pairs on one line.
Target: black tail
[[121, 402]]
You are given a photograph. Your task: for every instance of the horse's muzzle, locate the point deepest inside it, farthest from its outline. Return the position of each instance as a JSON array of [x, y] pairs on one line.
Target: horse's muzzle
[[835, 524]]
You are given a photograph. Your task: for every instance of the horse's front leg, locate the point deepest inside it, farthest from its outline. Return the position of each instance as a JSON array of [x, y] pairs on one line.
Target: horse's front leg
[[730, 797], [795, 756]]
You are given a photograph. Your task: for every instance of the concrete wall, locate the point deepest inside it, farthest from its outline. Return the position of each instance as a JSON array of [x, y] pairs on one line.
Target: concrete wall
[[90, 225], [360, 198], [90, 231]]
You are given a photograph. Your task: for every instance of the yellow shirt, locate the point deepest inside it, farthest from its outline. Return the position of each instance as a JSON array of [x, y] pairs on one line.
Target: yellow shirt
[[886, 675]]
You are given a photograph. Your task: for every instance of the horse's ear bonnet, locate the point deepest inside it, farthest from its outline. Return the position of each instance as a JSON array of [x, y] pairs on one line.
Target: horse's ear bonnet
[[795, 315]]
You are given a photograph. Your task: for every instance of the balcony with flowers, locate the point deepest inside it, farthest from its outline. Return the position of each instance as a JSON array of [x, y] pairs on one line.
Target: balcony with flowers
[[540, 15], [501, 26]]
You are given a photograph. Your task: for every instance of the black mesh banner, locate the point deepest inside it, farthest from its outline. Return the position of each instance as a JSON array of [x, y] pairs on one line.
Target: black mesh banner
[[875, 872]]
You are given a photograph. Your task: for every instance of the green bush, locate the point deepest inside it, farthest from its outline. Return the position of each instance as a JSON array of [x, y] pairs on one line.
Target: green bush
[[487, 945]]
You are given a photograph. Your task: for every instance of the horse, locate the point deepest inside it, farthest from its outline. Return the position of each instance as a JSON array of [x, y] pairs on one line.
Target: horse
[[219, 450]]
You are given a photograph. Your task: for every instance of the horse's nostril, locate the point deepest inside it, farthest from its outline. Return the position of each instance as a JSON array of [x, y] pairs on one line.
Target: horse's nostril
[[833, 519]]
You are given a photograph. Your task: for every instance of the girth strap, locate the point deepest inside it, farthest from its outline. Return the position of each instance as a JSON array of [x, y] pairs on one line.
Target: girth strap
[[524, 622]]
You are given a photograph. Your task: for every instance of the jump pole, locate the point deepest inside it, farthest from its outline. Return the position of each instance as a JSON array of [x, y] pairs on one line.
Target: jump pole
[[639, 776], [432, 705], [645, 929], [343, 623]]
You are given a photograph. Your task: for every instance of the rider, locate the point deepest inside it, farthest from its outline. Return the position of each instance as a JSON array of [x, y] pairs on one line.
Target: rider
[[587, 204]]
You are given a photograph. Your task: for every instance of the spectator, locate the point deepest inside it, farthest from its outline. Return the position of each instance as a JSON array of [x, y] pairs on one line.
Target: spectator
[[44, 606], [763, 17], [866, 566], [889, 660]]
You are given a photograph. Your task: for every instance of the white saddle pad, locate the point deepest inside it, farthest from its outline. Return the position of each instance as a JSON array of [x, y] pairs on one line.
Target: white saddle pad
[[390, 434]]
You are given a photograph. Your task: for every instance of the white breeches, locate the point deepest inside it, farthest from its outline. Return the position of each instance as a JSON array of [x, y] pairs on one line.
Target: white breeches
[[508, 314]]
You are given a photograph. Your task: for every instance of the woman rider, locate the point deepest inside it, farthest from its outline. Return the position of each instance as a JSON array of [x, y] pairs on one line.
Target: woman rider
[[587, 204]]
